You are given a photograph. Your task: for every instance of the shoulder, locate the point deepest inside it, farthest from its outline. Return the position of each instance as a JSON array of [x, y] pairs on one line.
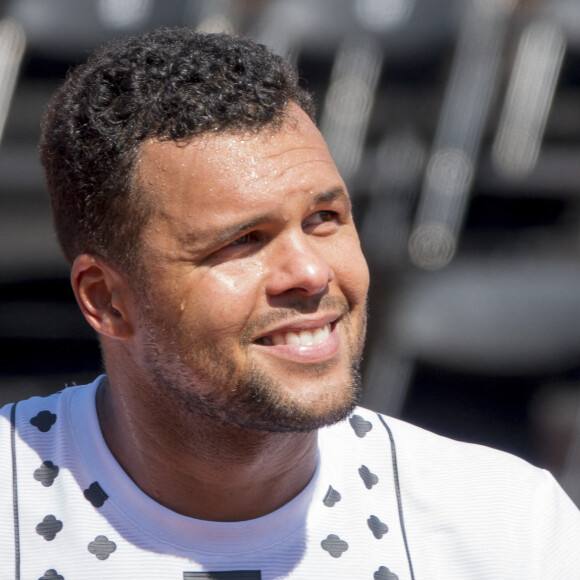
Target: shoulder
[[448, 462], [449, 465], [448, 476], [38, 416], [415, 446], [462, 496], [49, 401], [465, 486]]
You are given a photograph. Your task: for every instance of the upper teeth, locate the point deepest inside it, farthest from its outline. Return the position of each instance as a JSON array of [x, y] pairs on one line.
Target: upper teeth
[[303, 338]]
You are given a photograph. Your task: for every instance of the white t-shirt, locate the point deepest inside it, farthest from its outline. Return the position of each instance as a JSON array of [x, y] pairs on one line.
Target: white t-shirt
[[388, 501]]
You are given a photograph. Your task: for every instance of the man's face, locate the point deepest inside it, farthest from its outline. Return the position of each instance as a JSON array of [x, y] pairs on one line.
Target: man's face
[[252, 307]]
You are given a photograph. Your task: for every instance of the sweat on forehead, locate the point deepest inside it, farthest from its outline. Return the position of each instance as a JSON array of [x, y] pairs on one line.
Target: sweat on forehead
[[246, 165]]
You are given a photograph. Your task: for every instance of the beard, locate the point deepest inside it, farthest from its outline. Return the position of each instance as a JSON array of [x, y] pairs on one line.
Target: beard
[[197, 380]]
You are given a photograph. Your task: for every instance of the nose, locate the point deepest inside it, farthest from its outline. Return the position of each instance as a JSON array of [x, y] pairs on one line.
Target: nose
[[297, 266]]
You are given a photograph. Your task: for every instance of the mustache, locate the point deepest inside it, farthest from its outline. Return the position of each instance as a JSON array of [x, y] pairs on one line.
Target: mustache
[[294, 308]]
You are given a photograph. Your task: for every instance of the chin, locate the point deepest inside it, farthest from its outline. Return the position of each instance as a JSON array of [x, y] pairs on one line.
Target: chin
[[267, 407]]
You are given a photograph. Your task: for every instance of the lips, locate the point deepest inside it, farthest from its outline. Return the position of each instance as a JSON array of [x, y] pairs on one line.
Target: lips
[[297, 338]]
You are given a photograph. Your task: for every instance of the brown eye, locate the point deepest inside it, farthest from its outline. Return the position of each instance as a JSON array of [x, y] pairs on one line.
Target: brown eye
[[325, 216], [321, 222], [245, 239]]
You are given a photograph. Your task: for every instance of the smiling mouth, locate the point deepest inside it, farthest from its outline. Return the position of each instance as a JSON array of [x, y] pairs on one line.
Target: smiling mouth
[[300, 338]]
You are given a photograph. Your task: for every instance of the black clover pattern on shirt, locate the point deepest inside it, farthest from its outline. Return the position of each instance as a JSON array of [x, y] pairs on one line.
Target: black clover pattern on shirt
[[378, 528], [95, 494], [334, 545], [368, 477], [51, 574], [102, 547], [332, 497], [384, 573], [360, 426], [49, 527], [46, 473], [43, 421]]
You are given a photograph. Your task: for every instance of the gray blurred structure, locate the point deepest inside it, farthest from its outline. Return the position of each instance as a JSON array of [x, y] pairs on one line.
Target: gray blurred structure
[[456, 125], [451, 166], [12, 43]]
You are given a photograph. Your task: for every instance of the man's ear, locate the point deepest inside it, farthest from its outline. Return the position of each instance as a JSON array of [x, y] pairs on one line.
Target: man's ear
[[103, 295]]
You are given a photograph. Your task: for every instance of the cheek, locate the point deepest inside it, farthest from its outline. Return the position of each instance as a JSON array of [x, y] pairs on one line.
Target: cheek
[[352, 272], [227, 297]]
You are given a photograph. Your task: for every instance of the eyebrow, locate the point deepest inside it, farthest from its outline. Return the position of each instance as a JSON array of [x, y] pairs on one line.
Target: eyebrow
[[335, 193], [234, 230]]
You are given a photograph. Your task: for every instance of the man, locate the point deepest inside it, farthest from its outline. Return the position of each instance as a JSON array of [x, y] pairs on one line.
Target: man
[[212, 247]]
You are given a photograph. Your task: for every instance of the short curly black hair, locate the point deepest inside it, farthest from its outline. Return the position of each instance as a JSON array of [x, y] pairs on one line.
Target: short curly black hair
[[172, 83]]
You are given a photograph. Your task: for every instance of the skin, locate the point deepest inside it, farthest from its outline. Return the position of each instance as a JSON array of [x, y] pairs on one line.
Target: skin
[[252, 236]]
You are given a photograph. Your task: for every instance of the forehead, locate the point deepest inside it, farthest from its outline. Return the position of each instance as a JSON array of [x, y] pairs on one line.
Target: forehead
[[238, 169]]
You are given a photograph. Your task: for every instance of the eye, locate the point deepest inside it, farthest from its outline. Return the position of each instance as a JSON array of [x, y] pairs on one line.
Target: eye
[[326, 216], [249, 238], [322, 222], [244, 245]]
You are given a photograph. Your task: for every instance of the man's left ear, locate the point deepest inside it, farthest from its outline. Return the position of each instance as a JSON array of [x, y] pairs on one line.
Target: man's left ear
[[103, 295]]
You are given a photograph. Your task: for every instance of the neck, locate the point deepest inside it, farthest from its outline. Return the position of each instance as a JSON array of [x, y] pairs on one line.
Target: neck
[[206, 471]]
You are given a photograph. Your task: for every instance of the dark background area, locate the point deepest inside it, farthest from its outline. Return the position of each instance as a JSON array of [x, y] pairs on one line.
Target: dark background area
[[432, 110]]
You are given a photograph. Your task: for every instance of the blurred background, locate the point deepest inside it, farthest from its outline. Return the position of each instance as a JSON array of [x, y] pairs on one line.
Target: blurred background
[[456, 124]]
